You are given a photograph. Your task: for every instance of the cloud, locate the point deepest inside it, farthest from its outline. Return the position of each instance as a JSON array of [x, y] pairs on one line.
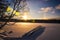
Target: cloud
[[46, 0], [58, 6], [45, 10], [53, 12]]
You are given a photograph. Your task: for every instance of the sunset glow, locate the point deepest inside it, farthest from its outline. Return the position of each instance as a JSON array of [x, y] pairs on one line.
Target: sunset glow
[[24, 17]]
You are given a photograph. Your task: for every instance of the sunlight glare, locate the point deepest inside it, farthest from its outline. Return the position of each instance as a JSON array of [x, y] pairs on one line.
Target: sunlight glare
[[24, 17]]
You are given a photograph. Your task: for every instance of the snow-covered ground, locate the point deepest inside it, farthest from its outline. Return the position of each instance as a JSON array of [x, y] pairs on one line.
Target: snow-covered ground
[[51, 32]]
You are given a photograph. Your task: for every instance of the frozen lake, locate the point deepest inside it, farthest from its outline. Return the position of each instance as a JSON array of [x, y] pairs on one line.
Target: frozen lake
[[51, 32]]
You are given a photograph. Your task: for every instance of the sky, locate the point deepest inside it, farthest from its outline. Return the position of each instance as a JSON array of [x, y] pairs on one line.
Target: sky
[[44, 9]]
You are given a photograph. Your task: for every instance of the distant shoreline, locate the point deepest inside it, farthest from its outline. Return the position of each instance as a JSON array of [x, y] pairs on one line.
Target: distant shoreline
[[32, 20]]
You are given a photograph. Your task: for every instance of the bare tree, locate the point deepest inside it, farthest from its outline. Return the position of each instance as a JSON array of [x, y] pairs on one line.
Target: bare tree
[[3, 7], [16, 6]]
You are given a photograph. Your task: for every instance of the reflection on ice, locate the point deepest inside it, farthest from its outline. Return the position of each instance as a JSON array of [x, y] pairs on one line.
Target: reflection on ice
[[19, 29], [31, 35]]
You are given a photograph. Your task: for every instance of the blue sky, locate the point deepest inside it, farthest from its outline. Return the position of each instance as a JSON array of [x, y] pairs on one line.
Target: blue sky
[[50, 6], [44, 8]]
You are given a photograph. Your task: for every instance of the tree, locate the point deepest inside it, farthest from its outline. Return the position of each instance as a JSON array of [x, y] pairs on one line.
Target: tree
[[16, 6], [3, 6]]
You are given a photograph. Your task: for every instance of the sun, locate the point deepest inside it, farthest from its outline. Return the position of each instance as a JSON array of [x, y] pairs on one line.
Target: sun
[[25, 17]]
